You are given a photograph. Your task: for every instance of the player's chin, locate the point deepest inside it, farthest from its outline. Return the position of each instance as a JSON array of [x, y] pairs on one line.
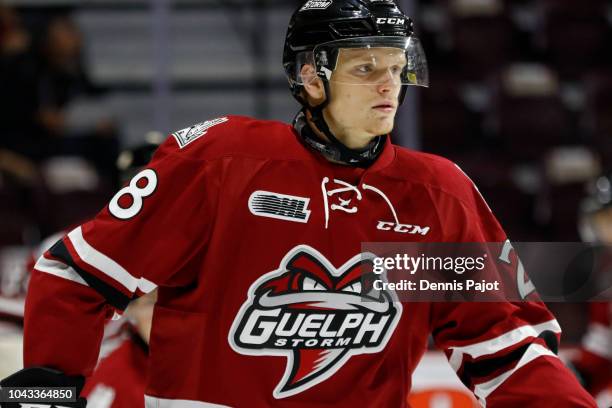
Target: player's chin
[[383, 126]]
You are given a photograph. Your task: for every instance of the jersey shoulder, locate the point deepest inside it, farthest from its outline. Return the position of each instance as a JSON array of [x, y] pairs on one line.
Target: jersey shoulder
[[444, 180], [231, 135], [433, 171]]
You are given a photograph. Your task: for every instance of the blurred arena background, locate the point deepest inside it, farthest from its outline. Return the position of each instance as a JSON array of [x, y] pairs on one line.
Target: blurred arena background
[[520, 98]]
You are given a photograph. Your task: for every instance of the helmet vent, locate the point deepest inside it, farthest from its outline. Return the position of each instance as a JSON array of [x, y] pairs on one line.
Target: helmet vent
[[356, 28], [313, 36]]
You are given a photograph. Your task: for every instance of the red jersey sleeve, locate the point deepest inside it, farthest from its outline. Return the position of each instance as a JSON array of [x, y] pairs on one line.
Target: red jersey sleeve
[[505, 352], [146, 236]]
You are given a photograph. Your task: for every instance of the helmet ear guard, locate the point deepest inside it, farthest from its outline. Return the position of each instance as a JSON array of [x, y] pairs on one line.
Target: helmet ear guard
[[325, 64]]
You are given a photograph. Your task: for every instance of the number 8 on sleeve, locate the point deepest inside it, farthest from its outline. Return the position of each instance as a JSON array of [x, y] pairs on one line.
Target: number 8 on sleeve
[[136, 192]]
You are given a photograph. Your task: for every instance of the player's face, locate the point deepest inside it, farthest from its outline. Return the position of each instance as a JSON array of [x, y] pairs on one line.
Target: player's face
[[364, 91]]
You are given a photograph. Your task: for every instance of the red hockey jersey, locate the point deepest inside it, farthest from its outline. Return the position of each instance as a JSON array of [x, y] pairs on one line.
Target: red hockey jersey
[[254, 241], [595, 358]]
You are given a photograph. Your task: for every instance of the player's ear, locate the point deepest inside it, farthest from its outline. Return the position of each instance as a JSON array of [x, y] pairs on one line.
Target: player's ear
[[313, 85]]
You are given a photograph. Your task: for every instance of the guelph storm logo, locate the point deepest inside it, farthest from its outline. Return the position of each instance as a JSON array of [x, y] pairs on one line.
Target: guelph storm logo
[[315, 315]]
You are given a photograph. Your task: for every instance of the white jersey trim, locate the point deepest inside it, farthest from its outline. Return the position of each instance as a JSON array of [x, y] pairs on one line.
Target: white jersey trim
[[146, 286], [59, 269], [598, 340], [155, 402], [101, 262], [501, 342], [483, 390]]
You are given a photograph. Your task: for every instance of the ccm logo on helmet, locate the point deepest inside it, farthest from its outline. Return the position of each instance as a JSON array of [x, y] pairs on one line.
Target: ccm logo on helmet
[[396, 21]]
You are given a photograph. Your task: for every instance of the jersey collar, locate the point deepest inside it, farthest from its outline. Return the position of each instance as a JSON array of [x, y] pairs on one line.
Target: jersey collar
[[377, 155]]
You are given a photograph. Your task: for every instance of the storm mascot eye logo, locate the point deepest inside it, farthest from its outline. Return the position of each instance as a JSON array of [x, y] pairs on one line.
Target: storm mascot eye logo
[[316, 316]]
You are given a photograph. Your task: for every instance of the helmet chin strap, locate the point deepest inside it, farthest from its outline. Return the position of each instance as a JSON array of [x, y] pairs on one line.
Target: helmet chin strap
[[334, 149]]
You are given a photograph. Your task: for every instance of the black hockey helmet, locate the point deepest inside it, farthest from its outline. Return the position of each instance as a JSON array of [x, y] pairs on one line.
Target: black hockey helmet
[[132, 159], [319, 28]]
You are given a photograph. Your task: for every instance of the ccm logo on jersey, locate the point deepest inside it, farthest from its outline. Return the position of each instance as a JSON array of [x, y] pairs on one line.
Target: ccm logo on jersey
[[394, 21], [402, 228], [279, 206], [314, 315]]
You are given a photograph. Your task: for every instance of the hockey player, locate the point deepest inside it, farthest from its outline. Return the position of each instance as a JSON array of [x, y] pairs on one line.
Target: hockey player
[[252, 230], [124, 346], [593, 363]]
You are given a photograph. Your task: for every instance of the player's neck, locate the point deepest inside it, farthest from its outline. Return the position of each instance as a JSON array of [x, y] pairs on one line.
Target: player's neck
[[351, 141]]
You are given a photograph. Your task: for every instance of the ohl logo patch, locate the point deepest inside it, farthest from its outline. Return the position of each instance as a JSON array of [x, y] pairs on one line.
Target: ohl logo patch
[[316, 316]]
